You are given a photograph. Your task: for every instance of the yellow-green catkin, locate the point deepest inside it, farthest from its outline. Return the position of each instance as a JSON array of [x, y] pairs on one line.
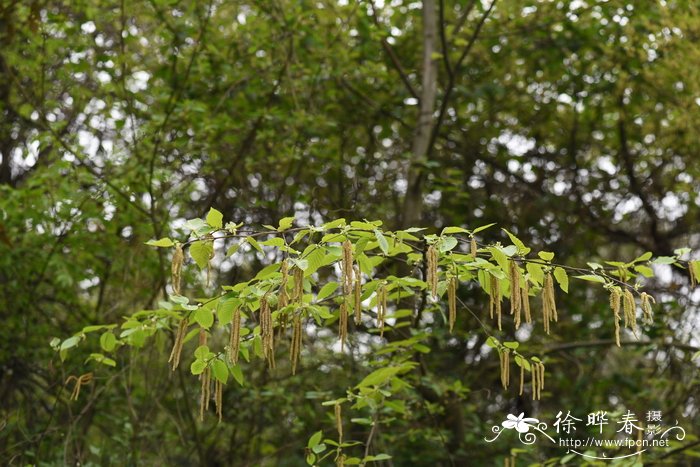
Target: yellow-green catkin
[[339, 422], [219, 398], [234, 345], [381, 308], [452, 301], [346, 268], [298, 294], [357, 294], [646, 301], [534, 380], [630, 310], [283, 298], [522, 379], [205, 394], [295, 350], [515, 295], [525, 299], [549, 307], [432, 270], [267, 332], [505, 368], [343, 323], [473, 248], [537, 369], [693, 272], [495, 299], [615, 303], [179, 341], [176, 268]]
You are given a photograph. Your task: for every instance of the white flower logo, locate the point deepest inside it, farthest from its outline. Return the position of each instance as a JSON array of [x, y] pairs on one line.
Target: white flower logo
[[520, 423]]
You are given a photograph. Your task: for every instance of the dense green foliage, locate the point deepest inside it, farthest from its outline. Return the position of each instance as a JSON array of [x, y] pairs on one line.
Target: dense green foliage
[[571, 124]]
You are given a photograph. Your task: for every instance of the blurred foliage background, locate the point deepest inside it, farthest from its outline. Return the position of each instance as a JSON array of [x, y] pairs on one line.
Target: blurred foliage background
[[572, 123]]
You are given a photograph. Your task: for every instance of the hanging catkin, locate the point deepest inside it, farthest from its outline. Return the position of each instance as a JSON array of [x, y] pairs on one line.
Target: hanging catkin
[[295, 350], [535, 379], [381, 308], [495, 299], [515, 296], [343, 323], [525, 299], [218, 398], [646, 301], [522, 379], [630, 311], [358, 296], [346, 269], [472, 247], [432, 270], [615, 303], [202, 337], [283, 296], [176, 268], [549, 307], [179, 341], [267, 332], [505, 367], [205, 378], [452, 301], [339, 422], [692, 270], [298, 285], [235, 341]]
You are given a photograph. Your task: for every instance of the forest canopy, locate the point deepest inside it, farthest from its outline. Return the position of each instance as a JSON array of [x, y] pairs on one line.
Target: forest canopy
[[350, 232]]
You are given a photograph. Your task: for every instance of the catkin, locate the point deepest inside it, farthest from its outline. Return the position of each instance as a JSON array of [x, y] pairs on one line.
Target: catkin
[[615, 303], [525, 292], [295, 350], [381, 308], [283, 298], [179, 341], [515, 296], [235, 341], [630, 311], [432, 272], [176, 268], [472, 247], [267, 332], [298, 285], [646, 301], [505, 368], [549, 307], [202, 337], [522, 379], [205, 378], [343, 323], [452, 301], [346, 269], [218, 398], [339, 422], [495, 299], [534, 380], [358, 296], [537, 379]]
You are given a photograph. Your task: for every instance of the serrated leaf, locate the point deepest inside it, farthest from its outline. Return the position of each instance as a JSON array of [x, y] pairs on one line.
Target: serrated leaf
[[197, 367], [315, 439], [380, 376], [522, 249], [512, 345], [220, 370], [201, 252], [204, 317], [215, 218], [285, 223], [546, 255], [254, 243], [562, 278], [164, 242], [201, 352], [447, 244], [453, 230], [326, 291], [664, 260], [483, 227], [645, 257]]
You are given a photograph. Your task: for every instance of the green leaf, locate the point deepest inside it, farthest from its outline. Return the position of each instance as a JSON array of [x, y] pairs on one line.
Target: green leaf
[[546, 255], [378, 457], [108, 341], [201, 252], [237, 374], [492, 342], [447, 244], [645, 271], [562, 278], [522, 249], [453, 230], [232, 249], [226, 308], [315, 439], [536, 272], [483, 227], [512, 345], [215, 218], [326, 291], [204, 316], [201, 352], [380, 376], [197, 367], [70, 342], [220, 370], [254, 243], [164, 242], [664, 260], [645, 257], [285, 223], [591, 278], [381, 239]]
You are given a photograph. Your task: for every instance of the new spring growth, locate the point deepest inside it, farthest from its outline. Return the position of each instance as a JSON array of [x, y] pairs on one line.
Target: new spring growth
[[432, 270], [452, 301], [295, 350], [515, 295], [179, 341], [495, 299], [646, 301], [235, 341], [549, 307], [615, 303], [176, 268]]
